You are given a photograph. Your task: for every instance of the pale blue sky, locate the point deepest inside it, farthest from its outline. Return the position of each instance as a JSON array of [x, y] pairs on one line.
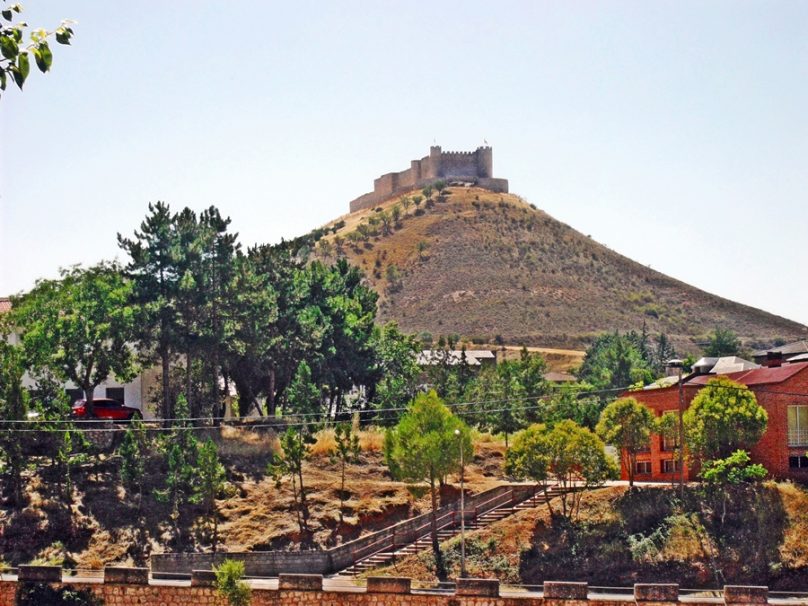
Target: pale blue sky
[[673, 132]]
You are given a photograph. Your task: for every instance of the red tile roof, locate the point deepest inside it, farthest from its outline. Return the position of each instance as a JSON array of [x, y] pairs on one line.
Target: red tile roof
[[757, 376], [5, 304]]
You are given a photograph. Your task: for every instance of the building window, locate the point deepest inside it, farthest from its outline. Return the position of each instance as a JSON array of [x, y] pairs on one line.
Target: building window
[[644, 449], [670, 466], [115, 393], [671, 443], [798, 425], [798, 462], [643, 467]]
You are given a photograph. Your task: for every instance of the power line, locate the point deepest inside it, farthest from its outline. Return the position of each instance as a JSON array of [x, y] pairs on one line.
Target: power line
[[280, 422]]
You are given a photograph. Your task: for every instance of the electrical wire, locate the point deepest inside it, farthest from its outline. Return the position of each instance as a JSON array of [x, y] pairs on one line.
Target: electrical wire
[[264, 422]]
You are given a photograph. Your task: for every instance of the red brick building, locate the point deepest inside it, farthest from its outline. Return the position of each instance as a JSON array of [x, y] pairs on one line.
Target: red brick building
[[782, 390]]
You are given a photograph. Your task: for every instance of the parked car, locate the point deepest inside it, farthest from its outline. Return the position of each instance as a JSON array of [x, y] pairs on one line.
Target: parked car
[[105, 408]]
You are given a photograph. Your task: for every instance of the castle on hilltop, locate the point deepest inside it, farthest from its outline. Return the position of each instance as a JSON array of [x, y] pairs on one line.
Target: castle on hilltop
[[473, 167]]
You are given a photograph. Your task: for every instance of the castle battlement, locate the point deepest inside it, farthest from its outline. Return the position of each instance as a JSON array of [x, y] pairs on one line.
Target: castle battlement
[[471, 166]]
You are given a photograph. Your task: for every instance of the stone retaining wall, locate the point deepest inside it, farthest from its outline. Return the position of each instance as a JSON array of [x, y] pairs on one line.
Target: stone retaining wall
[[126, 587]]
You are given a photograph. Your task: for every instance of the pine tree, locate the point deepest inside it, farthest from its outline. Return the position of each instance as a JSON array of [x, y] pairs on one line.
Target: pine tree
[[295, 451], [210, 482], [347, 451]]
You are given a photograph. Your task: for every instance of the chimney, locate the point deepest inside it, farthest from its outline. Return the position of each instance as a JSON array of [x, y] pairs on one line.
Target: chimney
[[774, 359]]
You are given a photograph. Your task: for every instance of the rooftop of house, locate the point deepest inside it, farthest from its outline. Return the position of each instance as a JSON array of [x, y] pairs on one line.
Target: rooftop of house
[[756, 376], [787, 350], [559, 377], [453, 357], [5, 304], [723, 365]]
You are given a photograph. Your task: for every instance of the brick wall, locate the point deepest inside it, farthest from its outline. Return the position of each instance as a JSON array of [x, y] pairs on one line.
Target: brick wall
[[772, 450], [305, 590]]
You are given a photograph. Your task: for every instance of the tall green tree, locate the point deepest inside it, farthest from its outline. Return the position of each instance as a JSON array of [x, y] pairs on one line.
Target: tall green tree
[[615, 361], [570, 402], [395, 371], [529, 459], [78, 327], [304, 396], [662, 352], [723, 342], [578, 462], [13, 405], [424, 447], [627, 425], [153, 269], [501, 396], [722, 418]]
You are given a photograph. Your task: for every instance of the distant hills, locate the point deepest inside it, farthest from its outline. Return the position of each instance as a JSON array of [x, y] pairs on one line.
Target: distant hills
[[492, 268]]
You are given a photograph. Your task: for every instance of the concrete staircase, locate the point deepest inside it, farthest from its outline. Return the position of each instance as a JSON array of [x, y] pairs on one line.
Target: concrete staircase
[[449, 526]]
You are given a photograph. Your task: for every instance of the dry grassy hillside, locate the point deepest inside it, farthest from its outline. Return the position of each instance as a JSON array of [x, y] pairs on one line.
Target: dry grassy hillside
[[647, 535], [495, 269], [101, 526]]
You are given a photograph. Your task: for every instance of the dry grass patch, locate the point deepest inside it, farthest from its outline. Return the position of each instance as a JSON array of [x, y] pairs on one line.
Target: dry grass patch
[[247, 443]]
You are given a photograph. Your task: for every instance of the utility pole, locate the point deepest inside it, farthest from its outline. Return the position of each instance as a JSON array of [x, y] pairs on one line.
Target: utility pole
[[459, 435], [679, 366]]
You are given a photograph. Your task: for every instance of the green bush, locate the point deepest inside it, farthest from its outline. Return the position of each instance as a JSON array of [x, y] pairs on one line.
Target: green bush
[[42, 594], [229, 583]]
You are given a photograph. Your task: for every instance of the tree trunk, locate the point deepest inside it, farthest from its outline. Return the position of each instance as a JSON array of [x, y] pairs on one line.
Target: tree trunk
[[215, 519], [167, 408], [547, 499], [88, 401], [304, 508], [631, 465], [440, 568], [342, 494], [271, 394], [193, 402]]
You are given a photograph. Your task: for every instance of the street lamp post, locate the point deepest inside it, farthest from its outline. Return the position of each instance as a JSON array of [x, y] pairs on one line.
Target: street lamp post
[[679, 366], [462, 510]]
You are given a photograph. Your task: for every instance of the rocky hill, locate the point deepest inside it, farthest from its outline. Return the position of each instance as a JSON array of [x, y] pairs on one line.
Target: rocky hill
[[492, 268]]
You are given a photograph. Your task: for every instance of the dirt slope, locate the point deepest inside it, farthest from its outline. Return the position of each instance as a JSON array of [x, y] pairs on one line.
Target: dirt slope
[[648, 535], [495, 269]]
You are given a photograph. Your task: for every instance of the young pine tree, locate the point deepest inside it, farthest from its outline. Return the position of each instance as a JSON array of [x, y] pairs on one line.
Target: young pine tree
[[210, 482], [133, 460], [180, 449], [295, 450], [347, 451]]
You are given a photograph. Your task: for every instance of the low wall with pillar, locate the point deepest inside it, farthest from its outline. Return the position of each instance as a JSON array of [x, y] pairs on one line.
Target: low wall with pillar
[[131, 586]]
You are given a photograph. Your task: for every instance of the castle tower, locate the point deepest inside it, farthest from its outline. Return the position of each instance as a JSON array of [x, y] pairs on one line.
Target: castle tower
[[485, 162], [433, 170]]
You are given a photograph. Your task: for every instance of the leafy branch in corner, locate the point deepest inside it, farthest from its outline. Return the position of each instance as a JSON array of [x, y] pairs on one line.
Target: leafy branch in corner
[[15, 54]]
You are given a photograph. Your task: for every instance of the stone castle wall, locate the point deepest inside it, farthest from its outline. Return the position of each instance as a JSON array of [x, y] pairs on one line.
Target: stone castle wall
[[476, 167]]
